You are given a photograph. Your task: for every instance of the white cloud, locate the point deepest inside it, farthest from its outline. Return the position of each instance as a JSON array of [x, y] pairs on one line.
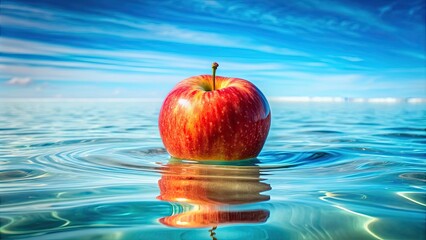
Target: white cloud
[[117, 66], [23, 81], [351, 59], [354, 12], [320, 77], [353, 17], [279, 50], [138, 29], [418, 55]]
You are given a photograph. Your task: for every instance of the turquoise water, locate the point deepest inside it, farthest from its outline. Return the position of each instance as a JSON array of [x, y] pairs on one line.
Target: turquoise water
[[98, 170]]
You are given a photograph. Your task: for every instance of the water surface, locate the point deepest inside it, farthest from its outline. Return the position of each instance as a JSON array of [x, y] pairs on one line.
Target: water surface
[[98, 170]]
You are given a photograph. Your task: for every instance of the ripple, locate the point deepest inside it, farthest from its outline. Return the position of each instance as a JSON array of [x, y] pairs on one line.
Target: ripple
[[139, 128], [376, 165], [114, 164], [101, 156], [30, 223], [405, 129], [73, 142], [415, 176], [402, 135], [277, 159], [100, 215], [9, 129], [231, 234], [322, 132], [106, 127], [367, 124], [415, 197], [114, 210], [30, 133], [10, 175], [312, 126], [98, 172], [143, 152]]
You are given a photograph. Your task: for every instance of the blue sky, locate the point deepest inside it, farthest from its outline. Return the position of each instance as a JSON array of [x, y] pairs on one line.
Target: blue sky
[[51, 48]]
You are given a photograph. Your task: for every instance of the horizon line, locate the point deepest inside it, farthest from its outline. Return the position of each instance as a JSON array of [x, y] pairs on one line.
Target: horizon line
[[271, 99]]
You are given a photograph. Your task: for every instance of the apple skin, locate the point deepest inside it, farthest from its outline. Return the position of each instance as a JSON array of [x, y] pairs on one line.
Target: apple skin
[[229, 123]]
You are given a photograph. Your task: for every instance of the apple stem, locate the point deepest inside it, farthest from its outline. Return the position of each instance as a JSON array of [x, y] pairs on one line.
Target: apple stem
[[212, 233], [214, 67]]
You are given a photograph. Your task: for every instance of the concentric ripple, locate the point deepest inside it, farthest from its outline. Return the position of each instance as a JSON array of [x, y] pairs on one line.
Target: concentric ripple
[[270, 160], [100, 171], [21, 174], [101, 156]]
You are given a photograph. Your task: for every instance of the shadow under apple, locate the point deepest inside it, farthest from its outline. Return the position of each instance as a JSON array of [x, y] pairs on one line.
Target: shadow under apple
[[211, 190]]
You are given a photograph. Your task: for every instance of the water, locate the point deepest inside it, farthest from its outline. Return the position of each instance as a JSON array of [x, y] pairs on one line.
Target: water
[[98, 170]]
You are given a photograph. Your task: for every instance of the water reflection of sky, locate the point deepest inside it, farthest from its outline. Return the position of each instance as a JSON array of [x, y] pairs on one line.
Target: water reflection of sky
[[327, 171]]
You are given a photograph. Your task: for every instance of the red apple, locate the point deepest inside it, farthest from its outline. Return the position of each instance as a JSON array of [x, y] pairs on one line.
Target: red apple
[[214, 118]]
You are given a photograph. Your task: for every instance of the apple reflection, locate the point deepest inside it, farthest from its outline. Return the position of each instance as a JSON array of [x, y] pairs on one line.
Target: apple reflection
[[211, 190]]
